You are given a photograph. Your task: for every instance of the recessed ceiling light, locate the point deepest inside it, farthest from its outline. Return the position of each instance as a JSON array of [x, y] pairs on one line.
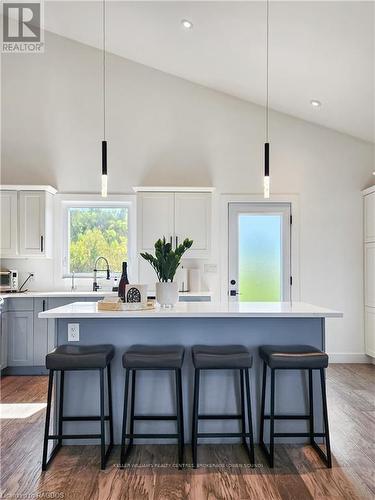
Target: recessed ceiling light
[[315, 103], [186, 24]]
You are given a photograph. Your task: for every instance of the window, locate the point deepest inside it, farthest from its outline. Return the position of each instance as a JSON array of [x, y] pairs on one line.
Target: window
[[259, 251], [259, 257], [93, 230]]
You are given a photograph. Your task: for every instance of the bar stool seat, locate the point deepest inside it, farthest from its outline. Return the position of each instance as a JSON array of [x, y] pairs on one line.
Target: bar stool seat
[[80, 357], [70, 358], [151, 357], [154, 357], [223, 356], [293, 357]]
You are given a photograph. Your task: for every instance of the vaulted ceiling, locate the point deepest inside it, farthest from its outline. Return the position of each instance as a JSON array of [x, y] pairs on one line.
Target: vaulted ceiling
[[318, 50]]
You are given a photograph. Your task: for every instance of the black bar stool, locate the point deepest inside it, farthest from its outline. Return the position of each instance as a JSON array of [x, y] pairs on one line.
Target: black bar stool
[[226, 357], [294, 357], [149, 357], [78, 357]]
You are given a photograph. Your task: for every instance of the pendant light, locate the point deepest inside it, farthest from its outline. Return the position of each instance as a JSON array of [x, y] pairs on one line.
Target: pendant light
[[104, 142], [266, 178]]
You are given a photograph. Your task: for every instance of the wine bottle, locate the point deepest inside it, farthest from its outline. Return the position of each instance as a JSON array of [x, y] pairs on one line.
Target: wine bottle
[[123, 281]]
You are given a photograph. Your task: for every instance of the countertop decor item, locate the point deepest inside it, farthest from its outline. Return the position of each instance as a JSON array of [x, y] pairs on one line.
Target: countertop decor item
[[123, 281], [165, 263], [136, 294], [138, 306], [116, 304], [110, 304]]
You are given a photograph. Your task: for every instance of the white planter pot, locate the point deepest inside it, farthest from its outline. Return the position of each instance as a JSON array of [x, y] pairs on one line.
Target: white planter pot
[[167, 293]]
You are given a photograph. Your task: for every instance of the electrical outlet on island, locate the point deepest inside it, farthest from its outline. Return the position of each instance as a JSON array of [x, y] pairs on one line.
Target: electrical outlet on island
[[73, 332]]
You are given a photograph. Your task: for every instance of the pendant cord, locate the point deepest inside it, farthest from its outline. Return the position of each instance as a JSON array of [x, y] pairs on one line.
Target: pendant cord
[[267, 68], [104, 72]]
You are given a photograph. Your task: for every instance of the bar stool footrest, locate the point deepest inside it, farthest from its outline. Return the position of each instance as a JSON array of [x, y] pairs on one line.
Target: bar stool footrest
[[151, 436], [223, 434], [155, 417], [298, 434], [219, 417], [74, 436], [90, 418], [287, 417]]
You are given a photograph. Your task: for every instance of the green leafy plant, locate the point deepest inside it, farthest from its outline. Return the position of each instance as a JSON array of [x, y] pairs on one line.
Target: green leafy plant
[[167, 260]]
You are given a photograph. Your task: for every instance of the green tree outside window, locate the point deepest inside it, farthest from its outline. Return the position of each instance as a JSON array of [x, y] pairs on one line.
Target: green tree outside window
[[97, 231]]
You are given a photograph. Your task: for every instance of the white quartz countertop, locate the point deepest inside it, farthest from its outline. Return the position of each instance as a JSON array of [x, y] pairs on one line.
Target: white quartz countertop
[[83, 293], [199, 310]]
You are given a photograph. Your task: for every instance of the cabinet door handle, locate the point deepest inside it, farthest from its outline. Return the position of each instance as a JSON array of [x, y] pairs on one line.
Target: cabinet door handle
[[176, 241], [44, 305], [41, 243], [171, 241]]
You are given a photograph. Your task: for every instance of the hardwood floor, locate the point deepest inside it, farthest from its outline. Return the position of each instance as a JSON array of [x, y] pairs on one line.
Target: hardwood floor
[[299, 473]]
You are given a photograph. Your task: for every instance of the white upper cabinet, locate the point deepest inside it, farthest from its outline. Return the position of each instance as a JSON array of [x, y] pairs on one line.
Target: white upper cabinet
[[193, 221], [155, 218], [27, 220], [176, 216], [8, 223], [369, 221]]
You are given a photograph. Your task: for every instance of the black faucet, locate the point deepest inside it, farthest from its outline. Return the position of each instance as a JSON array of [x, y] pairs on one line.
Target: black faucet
[[95, 285]]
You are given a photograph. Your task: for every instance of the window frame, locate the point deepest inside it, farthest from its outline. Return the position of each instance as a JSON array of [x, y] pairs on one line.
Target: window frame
[[64, 203], [281, 209], [223, 253]]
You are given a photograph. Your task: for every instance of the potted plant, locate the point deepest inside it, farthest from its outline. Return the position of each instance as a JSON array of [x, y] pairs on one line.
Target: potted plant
[[165, 262]]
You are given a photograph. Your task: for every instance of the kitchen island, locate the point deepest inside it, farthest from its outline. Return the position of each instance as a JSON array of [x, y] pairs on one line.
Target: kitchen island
[[248, 323]]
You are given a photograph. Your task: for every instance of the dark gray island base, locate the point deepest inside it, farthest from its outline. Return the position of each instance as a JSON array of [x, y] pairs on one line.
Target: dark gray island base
[[186, 325]]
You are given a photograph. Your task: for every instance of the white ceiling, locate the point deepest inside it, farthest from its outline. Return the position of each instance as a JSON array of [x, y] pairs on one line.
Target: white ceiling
[[318, 50]]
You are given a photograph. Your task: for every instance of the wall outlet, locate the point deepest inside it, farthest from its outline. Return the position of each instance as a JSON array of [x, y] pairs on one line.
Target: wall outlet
[[73, 332], [210, 268]]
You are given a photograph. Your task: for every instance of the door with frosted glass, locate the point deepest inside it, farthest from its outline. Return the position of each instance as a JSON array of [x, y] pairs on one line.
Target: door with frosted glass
[[259, 252]]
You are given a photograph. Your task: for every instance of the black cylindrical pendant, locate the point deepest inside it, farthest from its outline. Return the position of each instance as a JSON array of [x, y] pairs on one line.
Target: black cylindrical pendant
[[266, 159], [104, 157]]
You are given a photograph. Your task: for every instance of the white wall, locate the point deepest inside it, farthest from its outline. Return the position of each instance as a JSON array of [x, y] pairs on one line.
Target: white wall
[[166, 131]]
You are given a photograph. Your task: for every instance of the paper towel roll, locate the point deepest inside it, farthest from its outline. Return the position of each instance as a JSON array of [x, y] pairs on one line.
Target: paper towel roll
[[195, 280], [183, 279]]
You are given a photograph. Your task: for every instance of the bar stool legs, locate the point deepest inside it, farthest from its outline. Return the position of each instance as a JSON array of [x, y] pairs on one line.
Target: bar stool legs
[[250, 451], [326, 457], [46, 428], [244, 374], [61, 419], [178, 417], [194, 433], [125, 450]]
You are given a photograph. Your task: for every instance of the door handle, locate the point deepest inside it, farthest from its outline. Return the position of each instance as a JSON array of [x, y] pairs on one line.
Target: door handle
[[41, 243], [176, 241], [233, 293], [171, 241], [44, 305]]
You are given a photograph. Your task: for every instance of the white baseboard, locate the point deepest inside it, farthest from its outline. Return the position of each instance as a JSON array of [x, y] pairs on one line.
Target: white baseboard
[[349, 357]]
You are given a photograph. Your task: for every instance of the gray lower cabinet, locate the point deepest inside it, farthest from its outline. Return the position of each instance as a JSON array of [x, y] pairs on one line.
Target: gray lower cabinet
[[25, 338], [20, 333], [3, 343], [40, 333]]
